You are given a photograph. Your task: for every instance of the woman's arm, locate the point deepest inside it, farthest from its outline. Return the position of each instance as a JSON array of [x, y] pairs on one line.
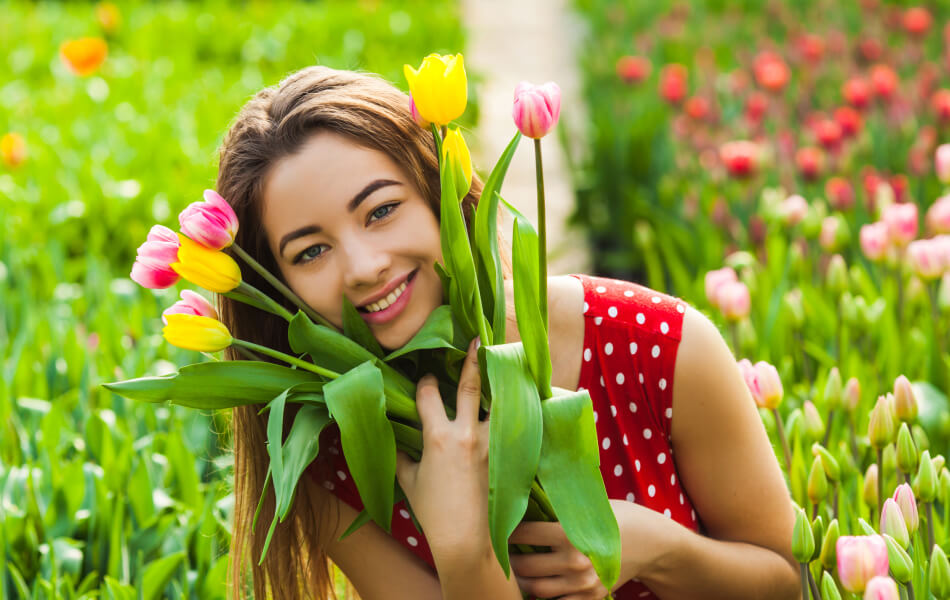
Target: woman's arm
[[729, 470]]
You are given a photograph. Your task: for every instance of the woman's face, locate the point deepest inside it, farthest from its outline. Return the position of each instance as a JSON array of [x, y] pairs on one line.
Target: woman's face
[[344, 220]]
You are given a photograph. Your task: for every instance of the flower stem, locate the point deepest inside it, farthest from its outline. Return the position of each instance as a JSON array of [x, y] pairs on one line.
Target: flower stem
[[805, 589], [910, 590], [781, 436], [880, 479], [813, 584], [283, 289], [250, 291], [293, 360], [930, 524], [542, 237]]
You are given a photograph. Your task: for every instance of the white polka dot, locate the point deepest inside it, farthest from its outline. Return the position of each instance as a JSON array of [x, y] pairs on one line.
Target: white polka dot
[[601, 289], [631, 497], [612, 311], [669, 413], [341, 475], [647, 434], [633, 347], [602, 384], [628, 293], [605, 444], [673, 479], [651, 491], [682, 501], [625, 442], [633, 407], [655, 299], [595, 416], [641, 377], [680, 308], [620, 378], [641, 318], [586, 307], [664, 327], [636, 463], [692, 513], [328, 484], [613, 410], [608, 348], [586, 354], [655, 351], [403, 513], [661, 458], [581, 389], [618, 470], [667, 513], [662, 383], [412, 541], [598, 320]]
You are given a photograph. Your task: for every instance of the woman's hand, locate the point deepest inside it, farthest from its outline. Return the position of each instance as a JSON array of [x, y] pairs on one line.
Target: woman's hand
[[567, 574], [448, 487]]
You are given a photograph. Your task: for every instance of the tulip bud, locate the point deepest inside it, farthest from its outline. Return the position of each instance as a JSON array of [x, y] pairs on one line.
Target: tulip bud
[[830, 464], [770, 385], [814, 427], [898, 561], [211, 223], [938, 462], [860, 558], [803, 539], [837, 275], [852, 394], [901, 220], [191, 304], [818, 533], [455, 153], [904, 496], [926, 480], [892, 523], [795, 306], [881, 588], [536, 108], [906, 451], [833, 389], [734, 300], [906, 401], [920, 438], [881, 427], [944, 485], [828, 555], [939, 573], [874, 241], [817, 482], [829, 589], [439, 87], [195, 332], [870, 486], [151, 268], [942, 163]]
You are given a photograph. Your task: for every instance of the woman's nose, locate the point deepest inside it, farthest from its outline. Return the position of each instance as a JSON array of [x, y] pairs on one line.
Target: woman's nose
[[366, 265]]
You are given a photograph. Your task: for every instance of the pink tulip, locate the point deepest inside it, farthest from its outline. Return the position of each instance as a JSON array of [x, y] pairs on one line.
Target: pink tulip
[[874, 240], [901, 220], [893, 523], [211, 223], [852, 394], [770, 385], [536, 108], [415, 114], [926, 258], [751, 377], [904, 496], [938, 215], [191, 303], [793, 209], [733, 300], [715, 279], [151, 268], [942, 163], [860, 558], [881, 588]]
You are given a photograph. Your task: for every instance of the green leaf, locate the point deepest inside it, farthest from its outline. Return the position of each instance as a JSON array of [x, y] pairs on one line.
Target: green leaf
[[213, 385], [299, 450], [527, 306], [356, 328], [117, 590], [436, 332], [569, 471], [514, 441], [358, 404], [363, 518], [159, 572]]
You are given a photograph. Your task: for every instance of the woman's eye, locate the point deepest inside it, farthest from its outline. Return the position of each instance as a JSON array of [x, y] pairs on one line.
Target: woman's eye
[[384, 210], [310, 253]]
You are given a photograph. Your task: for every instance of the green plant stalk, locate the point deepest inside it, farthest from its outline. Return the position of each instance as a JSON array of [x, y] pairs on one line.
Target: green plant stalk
[[812, 583], [880, 480], [898, 273], [283, 289], [805, 587], [930, 523], [542, 238], [936, 371], [293, 360], [781, 435], [245, 291], [910, 590]]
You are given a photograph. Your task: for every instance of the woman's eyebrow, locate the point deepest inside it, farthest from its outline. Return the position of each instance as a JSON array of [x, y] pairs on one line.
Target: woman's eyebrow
[[351, 206]]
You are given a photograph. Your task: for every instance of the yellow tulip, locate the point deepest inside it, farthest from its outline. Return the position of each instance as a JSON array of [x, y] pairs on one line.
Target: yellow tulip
[[195, 332], [439, 88], [211, 269], [455, 154]]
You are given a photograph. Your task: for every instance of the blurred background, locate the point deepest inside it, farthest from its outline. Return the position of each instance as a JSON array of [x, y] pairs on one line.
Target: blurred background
[[778, 145]]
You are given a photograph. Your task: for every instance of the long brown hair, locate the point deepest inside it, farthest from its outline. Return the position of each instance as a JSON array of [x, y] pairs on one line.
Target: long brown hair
[[273, 125]]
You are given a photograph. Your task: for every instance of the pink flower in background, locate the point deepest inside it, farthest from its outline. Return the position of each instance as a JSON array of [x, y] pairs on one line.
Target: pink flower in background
[[901, 221], [673, 82], [211, 223], [917, 21], [191, 303], [840, 193], [755, 106], [771, 72], [856, 92], [828, 133], [942, 163], [874, 241], [733, 299], [633, 69], [884, 81], [151, 268], [881, 588], [926, 258], [849, 119], [770, 385], [715, 279], [536, 108], [793, 209], [938, 215], [940, 102], [740, 157], [904, 496], [809, 161], [751, 377], [860, 559]]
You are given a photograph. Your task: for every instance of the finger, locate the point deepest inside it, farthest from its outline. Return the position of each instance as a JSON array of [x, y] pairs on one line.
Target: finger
[[539, 533], [429, 403], [470, 387], [405, 470], [547, 564], [548, 587]]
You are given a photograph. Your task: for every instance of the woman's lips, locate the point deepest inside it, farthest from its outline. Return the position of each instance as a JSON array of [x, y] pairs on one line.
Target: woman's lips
[[393, 310]]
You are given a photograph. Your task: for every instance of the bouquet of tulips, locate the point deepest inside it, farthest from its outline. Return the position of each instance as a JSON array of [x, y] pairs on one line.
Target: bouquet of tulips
[[543, 457]]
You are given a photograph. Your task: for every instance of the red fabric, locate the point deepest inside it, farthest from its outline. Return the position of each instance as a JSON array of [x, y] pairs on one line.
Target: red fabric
[[631, 335]]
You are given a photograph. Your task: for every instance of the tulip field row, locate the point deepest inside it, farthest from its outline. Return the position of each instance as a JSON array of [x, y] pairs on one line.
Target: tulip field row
[[785, 172], [109, 121]]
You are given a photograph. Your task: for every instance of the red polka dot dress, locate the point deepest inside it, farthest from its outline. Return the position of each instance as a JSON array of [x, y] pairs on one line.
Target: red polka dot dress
[[631, 335]]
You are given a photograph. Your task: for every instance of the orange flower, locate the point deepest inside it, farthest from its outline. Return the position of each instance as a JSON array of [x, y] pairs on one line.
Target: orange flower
[[12, 149], [83, 56], [108, 16]]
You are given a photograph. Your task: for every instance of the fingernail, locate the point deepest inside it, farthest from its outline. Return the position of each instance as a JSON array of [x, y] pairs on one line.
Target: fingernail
[[477, 343]]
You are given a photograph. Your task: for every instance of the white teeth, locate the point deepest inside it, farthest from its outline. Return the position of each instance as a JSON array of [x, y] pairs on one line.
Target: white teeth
[[388, 300]]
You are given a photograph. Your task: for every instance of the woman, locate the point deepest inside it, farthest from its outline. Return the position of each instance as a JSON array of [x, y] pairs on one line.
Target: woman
[[337, 191]]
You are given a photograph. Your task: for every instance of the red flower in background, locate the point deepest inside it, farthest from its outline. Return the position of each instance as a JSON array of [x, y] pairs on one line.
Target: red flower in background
[[884, 80], [771, 72], [899, 184], [856, 92], [673, 82], [840, 194], [809, 161], [849, 119], [740, 158], [940, 102], [633, 69], [829, 134], [697, 108], [870, 49], [917, 21], [755, 106], [811, 47]]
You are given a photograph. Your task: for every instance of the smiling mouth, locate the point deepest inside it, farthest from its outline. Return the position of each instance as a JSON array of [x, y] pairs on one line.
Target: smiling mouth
[[393, 296]]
